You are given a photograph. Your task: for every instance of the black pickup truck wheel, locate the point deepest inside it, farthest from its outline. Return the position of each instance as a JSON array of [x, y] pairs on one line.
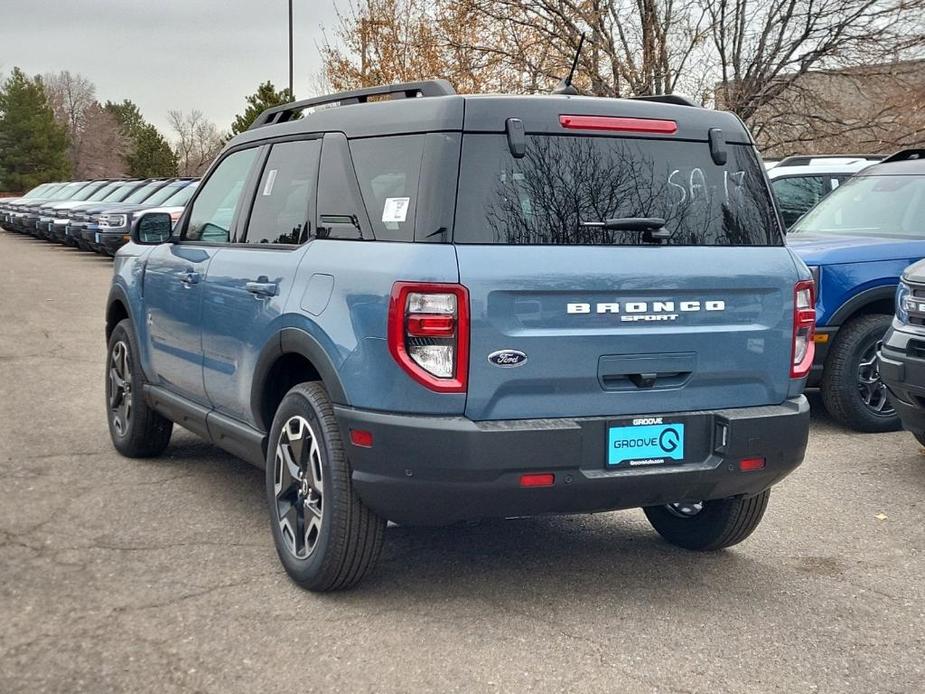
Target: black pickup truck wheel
[[709, 525], [851, 387], [325, 536]]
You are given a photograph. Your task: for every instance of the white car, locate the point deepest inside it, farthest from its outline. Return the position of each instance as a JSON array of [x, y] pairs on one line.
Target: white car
[[800, 182]]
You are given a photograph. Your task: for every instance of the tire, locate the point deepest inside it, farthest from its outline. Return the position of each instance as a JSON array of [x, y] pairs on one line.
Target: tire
[[841, 379], [920, 437], [136, 430], [325, 536], [718, 524]]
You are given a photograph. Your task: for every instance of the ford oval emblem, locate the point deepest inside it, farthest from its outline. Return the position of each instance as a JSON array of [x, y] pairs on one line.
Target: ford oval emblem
[[507, 358]]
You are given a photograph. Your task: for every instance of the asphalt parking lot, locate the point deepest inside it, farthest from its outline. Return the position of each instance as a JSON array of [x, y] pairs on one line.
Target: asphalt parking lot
[[119, 575]]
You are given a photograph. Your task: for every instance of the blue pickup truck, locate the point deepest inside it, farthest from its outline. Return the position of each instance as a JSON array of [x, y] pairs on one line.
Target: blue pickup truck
[[416, 306], [857, 241]]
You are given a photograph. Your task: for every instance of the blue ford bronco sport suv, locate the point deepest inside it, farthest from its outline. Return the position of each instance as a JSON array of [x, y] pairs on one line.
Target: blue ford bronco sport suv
[[442, 308], [857, 242]]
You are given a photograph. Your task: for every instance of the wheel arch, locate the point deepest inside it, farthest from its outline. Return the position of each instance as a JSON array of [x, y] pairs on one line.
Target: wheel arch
[[295, 357], [118, 308], [870, 301]]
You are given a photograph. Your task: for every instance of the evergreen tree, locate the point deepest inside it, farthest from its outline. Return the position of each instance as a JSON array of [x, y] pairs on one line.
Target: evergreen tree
[[33, 146], [127, 113], [148, 154], [265, 97], [151, 155]]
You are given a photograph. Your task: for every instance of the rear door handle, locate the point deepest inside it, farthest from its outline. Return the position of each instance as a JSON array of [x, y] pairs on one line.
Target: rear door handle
[[189, 277], [262, 287]]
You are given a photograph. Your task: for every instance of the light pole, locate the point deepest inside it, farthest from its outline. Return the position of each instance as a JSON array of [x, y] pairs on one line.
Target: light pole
[[291, 95]]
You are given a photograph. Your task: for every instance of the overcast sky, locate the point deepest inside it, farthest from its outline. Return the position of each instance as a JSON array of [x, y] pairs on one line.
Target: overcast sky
[[168, 54]]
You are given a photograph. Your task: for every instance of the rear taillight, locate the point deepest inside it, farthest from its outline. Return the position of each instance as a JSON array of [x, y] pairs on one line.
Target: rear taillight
[[429, 333], [804, 327]]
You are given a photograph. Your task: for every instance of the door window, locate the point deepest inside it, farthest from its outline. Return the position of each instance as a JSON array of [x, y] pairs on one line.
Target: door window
[[282, 201], [213, 209]]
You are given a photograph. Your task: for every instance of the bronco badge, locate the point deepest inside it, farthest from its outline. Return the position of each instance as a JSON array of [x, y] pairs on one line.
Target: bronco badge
[[507, 358]]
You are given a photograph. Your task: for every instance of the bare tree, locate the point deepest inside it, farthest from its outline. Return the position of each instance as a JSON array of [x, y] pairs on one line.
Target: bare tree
[[764, 48], [197, 142], [102, 147], [804, 74], [71, 96], [634, 46]]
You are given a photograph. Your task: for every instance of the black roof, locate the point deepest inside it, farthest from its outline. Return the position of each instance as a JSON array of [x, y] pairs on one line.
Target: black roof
[[906, 161], [437, 109]]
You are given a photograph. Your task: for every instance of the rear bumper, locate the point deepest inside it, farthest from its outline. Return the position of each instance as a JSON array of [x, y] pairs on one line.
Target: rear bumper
[[438, 470], [903, 372]]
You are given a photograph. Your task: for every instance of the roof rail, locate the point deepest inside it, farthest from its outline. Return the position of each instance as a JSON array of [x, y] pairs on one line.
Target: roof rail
[[906, 155], [806, 159], [675, 99], [404, 90]]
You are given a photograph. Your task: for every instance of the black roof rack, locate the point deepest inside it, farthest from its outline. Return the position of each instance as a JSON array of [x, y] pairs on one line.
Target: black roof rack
[[905, 155], [805, 159], [675, 99], [404, 90]]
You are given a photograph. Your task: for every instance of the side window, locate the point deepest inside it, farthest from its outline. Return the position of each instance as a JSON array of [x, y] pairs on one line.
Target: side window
[[281, 213], [796, 195], [212, 212], [388, 169]]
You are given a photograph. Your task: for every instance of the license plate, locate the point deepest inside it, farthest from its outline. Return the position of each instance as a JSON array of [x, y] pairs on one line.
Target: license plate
[[650, 442], [97, 237]]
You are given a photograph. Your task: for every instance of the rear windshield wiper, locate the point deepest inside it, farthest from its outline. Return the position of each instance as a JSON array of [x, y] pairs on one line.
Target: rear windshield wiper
[[653, 226]]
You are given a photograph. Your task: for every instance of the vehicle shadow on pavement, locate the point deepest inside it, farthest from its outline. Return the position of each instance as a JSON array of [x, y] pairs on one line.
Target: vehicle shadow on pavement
[[616, 554]]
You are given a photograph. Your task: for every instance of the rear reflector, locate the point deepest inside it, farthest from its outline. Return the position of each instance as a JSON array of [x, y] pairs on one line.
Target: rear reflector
[[545, 479], [751, 464], [625, 125], [361, 438]]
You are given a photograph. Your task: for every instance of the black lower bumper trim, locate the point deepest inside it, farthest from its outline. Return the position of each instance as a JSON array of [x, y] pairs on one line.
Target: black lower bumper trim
[[439, 470], [904, 377]]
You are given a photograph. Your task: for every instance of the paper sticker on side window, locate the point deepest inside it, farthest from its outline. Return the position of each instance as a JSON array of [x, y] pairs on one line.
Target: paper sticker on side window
[[271, 179], [395, 209]]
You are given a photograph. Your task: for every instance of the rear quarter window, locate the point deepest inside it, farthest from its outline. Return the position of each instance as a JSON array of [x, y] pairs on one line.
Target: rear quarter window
[[564, 182], [388, 170]]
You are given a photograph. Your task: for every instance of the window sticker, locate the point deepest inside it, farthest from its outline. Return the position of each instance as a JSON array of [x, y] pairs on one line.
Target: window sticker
[[395, 209], [271, 179]]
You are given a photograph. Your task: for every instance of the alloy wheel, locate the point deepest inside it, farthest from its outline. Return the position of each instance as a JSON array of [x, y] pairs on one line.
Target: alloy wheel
[[870, 387], [299, 487], [120, 387]]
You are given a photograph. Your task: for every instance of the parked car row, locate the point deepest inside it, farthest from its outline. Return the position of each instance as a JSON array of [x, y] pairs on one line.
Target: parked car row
[[92, 215], [857, 241]]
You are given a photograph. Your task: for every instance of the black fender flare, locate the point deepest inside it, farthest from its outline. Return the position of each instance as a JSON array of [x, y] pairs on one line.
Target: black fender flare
[[117, 293], [860, 300], [294, 341]]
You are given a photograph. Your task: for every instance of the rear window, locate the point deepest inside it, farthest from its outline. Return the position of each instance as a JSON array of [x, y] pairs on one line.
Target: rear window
[[565, 186]]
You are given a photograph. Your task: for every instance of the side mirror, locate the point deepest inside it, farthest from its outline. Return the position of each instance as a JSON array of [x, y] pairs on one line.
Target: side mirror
[[152, 228]]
